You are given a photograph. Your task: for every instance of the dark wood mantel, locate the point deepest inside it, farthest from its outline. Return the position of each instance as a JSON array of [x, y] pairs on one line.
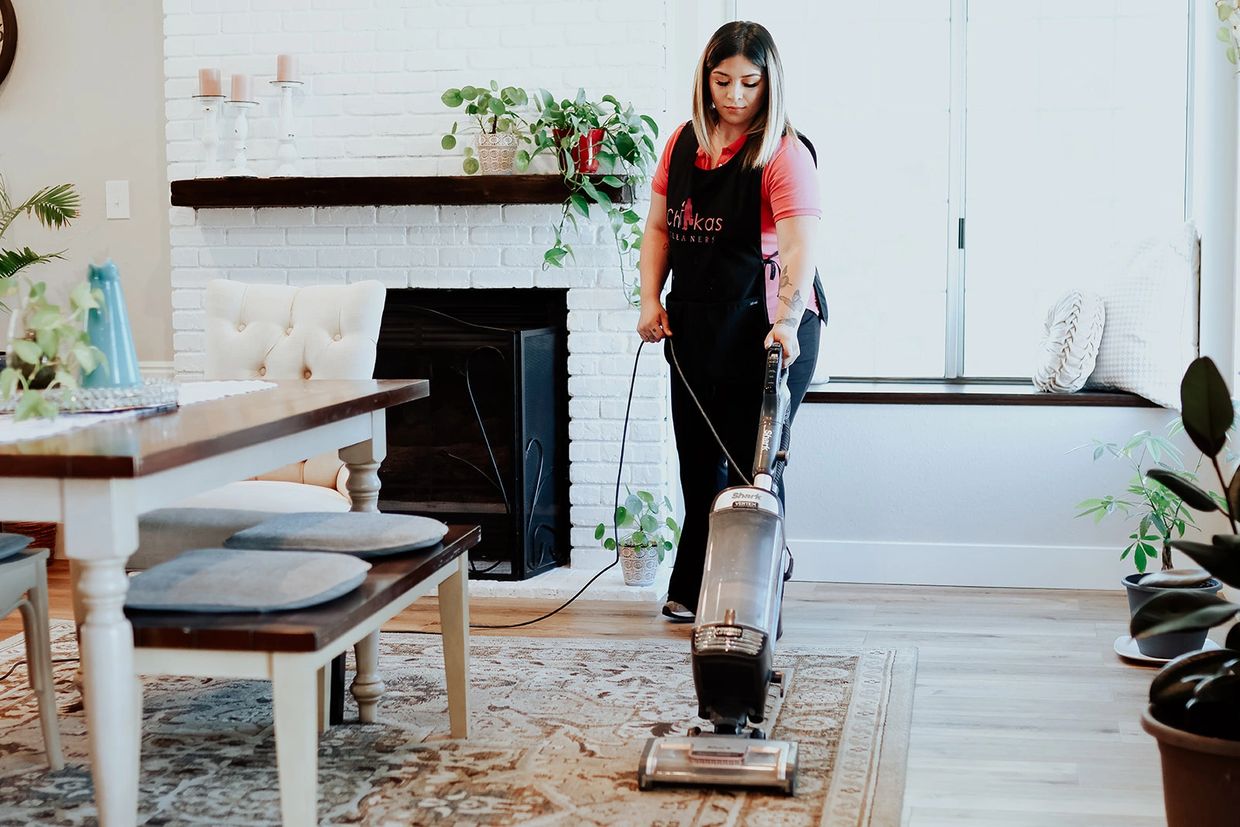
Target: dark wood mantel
[[363, 191]]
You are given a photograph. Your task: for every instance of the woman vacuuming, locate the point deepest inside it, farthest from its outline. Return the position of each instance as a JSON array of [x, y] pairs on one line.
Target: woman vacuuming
[[734, 214]]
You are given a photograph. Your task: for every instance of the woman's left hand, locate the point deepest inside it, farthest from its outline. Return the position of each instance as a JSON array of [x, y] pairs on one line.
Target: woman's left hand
[[786, 335]]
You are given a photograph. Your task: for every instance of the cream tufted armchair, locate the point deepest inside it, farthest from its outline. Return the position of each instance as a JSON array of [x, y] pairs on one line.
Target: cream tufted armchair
[[260, 331]]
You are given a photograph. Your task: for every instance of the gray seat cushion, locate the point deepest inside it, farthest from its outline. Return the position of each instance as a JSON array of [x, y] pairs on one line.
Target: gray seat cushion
[[232, 580], [167, 532], [360, 533], [10, 544]]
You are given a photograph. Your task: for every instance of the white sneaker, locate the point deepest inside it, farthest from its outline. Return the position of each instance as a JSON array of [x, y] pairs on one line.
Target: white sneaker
[[677, 612]]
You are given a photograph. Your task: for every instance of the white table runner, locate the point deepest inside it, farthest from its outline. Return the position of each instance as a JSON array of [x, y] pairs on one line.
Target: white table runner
[[188, 393]]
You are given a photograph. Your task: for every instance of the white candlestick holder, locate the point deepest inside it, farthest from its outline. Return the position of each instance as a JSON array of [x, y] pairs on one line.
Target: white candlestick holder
[[286, 154], [241, 132], [211, 167]]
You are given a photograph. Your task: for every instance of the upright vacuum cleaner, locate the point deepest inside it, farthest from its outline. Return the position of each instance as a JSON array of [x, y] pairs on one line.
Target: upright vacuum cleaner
[[737, 624]]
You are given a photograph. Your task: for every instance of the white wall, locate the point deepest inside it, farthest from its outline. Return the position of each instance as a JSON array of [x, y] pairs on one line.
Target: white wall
[[83, 105], [374, 71], [923, 494], [961, 495]]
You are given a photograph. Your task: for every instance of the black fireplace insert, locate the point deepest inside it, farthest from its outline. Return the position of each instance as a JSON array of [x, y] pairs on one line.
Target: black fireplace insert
[[489, 446]]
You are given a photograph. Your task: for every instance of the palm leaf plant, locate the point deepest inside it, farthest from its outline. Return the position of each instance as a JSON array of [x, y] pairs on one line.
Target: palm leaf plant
[[53, 207]]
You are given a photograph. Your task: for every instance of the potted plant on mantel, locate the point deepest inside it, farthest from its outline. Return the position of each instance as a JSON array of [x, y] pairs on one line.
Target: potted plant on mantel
[[647, 534], [607, 139], [1194, 710], [502, 129], [1161, 517]]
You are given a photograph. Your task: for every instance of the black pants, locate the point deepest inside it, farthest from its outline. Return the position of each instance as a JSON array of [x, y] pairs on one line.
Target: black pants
[[734, 408]]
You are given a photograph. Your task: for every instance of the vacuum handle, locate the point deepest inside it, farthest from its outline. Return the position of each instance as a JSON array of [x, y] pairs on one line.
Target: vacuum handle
[[773, 420]]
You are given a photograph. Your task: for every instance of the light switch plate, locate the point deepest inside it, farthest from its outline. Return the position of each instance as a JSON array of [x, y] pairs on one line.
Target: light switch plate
[[117, 195]]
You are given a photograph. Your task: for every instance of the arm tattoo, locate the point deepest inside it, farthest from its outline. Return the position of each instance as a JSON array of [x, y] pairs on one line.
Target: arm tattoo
[[795, 304]]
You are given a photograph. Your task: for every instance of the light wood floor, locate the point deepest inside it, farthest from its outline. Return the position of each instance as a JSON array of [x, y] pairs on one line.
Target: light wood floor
[[1023, 715]]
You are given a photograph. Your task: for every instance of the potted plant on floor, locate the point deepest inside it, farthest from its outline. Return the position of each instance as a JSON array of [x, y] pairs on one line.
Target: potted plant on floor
[[597, 143], [1194, 710], [501, 128], [643, 532], [1161, 516]]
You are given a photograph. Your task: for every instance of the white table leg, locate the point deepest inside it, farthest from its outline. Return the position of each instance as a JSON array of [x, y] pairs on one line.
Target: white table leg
[[101, 531], [39, 664], [454, 623], [363, 460], [112, 691], [324, 681], [368, 686], [297, 742]]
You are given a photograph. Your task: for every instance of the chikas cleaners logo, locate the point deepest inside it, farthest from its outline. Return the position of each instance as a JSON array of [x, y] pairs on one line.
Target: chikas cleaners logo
[[685, 225]]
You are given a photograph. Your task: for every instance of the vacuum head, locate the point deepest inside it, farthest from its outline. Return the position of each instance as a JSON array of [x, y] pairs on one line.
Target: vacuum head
[[719, 760]]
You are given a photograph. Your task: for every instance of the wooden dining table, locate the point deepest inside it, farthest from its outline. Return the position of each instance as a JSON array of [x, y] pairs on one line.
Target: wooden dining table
[[96, 481]]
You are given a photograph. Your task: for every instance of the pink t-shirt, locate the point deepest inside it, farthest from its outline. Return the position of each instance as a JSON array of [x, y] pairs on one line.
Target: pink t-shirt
[[789, 188]]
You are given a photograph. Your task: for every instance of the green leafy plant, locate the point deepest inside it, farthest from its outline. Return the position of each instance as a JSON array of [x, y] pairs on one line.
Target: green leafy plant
[[1161, 515], [50, 348], [1200, 692], [53, 207], [642, 522], [493, 110], [625, 154]]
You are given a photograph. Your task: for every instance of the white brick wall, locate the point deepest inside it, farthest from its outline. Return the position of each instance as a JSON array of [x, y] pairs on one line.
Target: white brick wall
[[374, 70]]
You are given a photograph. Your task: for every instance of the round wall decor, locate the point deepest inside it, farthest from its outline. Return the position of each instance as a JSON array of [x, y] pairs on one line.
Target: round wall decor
[[8, 37]]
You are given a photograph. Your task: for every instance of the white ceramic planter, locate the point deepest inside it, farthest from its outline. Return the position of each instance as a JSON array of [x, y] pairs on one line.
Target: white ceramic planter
[[496, 152], [640, 565]]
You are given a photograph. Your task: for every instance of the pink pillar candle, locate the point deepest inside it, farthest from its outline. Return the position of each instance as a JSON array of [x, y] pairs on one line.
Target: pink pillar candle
[[209, 83], [286, 68], [240, 88]]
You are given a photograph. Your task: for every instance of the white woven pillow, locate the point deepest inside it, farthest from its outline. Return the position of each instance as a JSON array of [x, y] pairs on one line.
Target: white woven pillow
[[1151, 319], [1069, 346]]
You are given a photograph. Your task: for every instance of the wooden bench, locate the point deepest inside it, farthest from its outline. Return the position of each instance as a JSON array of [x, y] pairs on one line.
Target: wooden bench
[[293, 651]]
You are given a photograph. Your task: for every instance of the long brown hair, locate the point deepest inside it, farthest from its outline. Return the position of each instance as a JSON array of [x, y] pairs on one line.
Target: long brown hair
[[754, 43]]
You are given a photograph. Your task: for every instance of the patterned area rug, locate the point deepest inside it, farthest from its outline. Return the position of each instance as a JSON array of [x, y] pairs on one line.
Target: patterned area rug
[[557, 731]]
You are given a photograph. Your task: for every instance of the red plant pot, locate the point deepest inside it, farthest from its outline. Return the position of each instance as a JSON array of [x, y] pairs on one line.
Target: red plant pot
[[585, 154]]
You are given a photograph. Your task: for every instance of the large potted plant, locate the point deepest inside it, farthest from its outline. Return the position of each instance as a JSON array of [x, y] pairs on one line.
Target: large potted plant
[[1161, 516], [643, 532], [1194, 709], [53, 207], [602, 142], [501, 128]]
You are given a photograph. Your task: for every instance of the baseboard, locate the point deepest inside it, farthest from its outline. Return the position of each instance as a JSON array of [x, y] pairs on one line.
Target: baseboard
[[157, 370], [958, 564]]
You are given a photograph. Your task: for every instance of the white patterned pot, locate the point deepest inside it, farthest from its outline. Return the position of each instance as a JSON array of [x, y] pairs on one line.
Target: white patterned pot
[[496, 152], [640, 565]]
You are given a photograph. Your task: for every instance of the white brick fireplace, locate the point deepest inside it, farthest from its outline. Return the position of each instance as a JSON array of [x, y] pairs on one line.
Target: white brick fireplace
[[374, 70]]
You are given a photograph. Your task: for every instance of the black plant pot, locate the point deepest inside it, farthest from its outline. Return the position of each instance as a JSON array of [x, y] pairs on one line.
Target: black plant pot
[[1173, 644]]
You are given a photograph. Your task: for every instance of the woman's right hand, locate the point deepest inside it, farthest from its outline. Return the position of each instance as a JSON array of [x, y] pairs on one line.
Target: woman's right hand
[[652, 324]]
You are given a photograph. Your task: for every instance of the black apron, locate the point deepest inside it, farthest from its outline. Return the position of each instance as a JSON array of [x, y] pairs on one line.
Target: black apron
[[717, 302]]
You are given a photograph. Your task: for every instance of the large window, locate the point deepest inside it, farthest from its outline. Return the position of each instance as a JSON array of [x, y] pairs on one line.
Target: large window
[[1042, 136]]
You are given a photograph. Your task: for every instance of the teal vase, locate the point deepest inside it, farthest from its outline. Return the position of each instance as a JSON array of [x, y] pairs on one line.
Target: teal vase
[[108, 329]]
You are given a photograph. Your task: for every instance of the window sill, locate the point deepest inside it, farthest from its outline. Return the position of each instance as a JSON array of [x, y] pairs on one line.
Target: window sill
[[951, 393]]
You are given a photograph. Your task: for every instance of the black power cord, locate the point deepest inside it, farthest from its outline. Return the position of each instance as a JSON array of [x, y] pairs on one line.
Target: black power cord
[[615, 531], [5, 676]]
